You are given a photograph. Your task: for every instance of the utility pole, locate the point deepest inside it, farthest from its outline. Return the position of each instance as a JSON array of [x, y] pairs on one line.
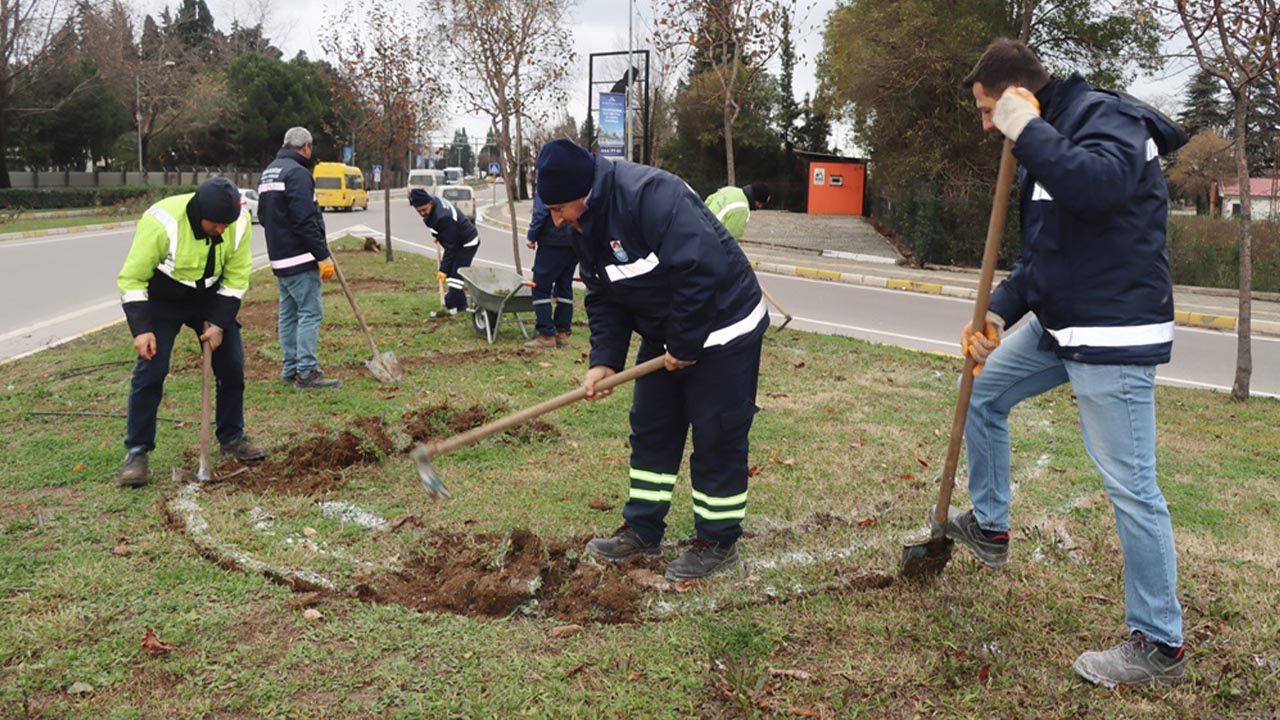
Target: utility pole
[[631, 12]]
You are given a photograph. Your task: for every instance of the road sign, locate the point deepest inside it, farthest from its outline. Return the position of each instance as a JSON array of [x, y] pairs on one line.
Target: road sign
[[495, 168], [377, 173]]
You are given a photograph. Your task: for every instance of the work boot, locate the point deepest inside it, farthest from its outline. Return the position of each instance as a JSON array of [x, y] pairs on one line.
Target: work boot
[[542, 342], [1136, 661], [623, 544], [315, 380], [290, 378], [243, 449], [992, 549], [133, 474], [562, 338], [703, 559]]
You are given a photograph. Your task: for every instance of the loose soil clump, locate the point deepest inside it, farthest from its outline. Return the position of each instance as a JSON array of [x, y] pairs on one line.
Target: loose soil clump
[[441, 421], [313, 466], [492, 576]]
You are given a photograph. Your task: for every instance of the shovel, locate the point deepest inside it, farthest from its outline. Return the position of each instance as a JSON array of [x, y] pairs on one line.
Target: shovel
[[385, 367], [929, 558], [423, 454], [205, 473], [774, 301]]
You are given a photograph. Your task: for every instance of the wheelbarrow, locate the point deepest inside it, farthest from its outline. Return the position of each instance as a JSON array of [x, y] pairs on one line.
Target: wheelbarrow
[[493, 292]]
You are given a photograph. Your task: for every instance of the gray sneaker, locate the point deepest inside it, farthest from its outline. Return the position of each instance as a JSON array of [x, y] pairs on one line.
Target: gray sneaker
[[703, 559], [963, 528], [243, 449], [315, 380], [133, 474], [624, 543], [1136, 661]]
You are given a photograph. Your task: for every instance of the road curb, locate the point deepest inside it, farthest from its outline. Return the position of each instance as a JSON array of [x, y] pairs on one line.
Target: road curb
[[66, 230], [1181, 317]]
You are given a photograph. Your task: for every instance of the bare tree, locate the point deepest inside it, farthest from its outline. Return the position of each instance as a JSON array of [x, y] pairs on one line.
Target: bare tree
[[28, 30], [735, 39], [384, 65], [511, 58], [1236, 42]]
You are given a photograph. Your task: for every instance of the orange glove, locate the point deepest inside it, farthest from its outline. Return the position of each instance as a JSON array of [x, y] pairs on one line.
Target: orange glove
[[441, 277], [979, 346], [326, 269]]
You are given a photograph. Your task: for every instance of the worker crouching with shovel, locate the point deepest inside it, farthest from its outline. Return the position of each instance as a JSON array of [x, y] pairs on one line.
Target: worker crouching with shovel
[[189, 265], [655, 261]]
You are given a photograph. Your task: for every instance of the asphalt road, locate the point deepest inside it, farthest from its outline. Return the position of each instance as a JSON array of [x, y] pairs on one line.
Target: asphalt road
[[55, 288]]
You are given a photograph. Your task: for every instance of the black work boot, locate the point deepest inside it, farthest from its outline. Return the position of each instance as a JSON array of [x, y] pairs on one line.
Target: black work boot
[[315, 380], [133, 474], [243, 449], [703, 559], [624, 543]]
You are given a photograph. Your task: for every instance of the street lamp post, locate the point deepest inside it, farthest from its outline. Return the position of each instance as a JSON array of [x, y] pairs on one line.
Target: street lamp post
[[137, 116]]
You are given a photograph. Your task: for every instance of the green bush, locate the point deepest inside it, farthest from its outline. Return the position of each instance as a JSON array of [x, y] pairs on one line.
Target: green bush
[[1205, 251], [59, 198]]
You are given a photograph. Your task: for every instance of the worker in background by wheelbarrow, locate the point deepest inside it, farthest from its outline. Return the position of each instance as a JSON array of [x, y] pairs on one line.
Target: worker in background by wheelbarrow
[[457, 236], [655, 261], [552, 278], [189, 265]]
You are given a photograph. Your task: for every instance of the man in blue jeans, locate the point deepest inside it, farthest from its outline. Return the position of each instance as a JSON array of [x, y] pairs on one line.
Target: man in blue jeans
[[1093, 277], [552, 278], [299, 257]]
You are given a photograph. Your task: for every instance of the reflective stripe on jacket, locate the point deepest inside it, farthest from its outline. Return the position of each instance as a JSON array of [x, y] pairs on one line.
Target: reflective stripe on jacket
[[291, 219], [732, 209], [166, 263]]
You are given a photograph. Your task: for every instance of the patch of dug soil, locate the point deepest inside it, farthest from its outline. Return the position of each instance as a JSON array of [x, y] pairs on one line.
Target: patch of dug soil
[[495, 576], [440, 421], [312, 466], [363, 285]]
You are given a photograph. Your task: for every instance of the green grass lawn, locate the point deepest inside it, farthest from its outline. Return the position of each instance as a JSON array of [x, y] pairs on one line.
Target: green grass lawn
[[846, 453], [20, 225]]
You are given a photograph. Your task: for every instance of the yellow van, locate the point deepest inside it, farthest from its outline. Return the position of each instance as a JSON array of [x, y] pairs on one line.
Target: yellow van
[[340, 186]]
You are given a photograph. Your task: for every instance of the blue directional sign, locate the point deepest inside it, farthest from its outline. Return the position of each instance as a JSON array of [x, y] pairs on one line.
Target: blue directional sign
[[494, 168]]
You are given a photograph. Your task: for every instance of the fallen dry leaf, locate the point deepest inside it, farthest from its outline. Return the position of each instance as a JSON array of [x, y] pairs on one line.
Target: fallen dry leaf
[[80, 688], [922, 462], [599, 504], [565, 631], [804, 712], [753, 471], [409, 520], [984, 672], [575, 669], [776, 395], [309, 531], [312, 614], [634, 675], [544, 365], [866, 522], [304, 600], [684, 586], [78, 467], [788, 672], [121, 549], [798, 364], [151, 643], [906, 476], [648, 578]]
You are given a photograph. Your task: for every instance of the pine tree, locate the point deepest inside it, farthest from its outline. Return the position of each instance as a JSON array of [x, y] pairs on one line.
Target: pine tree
[[788, 111], [1205, 108]]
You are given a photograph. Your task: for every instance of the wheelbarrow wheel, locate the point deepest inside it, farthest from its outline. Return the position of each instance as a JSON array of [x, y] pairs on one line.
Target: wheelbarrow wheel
[[482, 320]]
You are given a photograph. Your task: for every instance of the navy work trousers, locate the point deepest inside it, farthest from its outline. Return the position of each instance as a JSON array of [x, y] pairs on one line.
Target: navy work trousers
[[553, 268]]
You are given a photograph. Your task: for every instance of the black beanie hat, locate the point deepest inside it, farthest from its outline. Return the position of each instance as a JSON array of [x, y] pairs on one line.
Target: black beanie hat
[[219, 200], [565, 172], [419, 197]]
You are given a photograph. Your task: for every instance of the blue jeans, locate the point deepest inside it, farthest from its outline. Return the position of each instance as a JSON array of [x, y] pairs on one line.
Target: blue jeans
[[147, 386], [300, 314], [553, 278], [1117, 420]]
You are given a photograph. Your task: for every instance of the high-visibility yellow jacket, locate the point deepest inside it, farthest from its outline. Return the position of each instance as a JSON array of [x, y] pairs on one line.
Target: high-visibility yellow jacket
[[167, 264], [731, 208]]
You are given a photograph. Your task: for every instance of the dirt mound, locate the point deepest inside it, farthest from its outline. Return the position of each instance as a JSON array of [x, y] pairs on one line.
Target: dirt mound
[[496, 576], [313, 466], [467, 357], [441, 421]]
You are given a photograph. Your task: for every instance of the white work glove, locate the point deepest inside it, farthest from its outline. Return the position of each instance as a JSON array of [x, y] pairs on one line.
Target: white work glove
[[1015, 109]]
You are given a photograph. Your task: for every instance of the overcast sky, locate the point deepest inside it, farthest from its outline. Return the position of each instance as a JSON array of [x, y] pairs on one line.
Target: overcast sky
[[597, 26]]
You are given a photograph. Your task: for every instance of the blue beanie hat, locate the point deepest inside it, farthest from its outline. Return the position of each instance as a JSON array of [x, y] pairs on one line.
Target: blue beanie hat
[[219, 200], [565, 172], [419, 197]]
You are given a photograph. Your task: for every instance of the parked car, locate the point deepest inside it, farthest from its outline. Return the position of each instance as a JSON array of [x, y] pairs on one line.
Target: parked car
[[340, 186], [461, 197], [249, 199]]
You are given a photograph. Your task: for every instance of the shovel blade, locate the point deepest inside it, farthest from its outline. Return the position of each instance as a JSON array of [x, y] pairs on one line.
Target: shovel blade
[[385, 367], [926, 559]]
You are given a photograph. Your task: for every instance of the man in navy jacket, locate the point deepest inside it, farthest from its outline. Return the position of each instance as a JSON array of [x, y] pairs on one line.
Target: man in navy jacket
[[456, 235], [657, 263], [1093, 279], [299, 257], [552, 278]]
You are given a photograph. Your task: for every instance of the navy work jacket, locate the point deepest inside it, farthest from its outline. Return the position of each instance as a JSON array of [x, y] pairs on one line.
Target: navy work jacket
[[290, 217]]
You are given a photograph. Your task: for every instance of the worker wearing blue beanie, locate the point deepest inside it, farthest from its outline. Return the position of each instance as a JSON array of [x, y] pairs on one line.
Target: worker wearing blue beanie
[[656, 262], [458, 239]]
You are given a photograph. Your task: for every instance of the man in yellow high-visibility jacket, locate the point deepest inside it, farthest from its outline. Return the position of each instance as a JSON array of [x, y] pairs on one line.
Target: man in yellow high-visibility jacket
[[189, 265], [732, 206]]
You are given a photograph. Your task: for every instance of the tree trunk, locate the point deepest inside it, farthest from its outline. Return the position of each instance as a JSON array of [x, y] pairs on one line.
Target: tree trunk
[[4, 144], [1244, 350], [730, 171], [386, 201], [504, 149]]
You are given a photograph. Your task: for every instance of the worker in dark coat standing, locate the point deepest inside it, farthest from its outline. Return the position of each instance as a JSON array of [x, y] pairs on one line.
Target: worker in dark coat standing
[[657, 263], [552, 278]]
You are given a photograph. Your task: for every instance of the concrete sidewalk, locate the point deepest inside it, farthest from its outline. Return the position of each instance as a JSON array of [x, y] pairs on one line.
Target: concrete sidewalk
[[848, 250]]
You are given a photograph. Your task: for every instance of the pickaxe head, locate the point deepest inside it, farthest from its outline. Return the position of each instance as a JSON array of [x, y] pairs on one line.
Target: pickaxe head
[[431, 480]]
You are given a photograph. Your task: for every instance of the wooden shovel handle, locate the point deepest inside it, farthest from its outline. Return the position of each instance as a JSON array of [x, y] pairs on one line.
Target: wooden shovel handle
[[206, 381], [474, 435], [995, 229], [346, 290]]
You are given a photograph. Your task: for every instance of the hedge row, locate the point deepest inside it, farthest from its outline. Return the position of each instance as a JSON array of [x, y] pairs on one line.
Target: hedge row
[[1205, 251], [59, 198]]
